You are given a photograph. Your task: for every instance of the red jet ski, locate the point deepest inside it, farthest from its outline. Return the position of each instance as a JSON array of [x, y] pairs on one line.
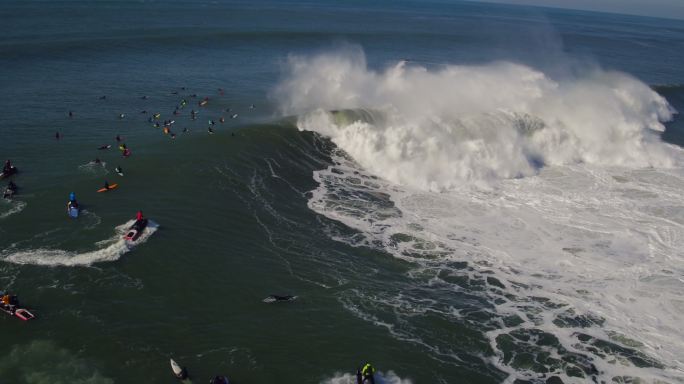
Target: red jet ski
[[136, 230]]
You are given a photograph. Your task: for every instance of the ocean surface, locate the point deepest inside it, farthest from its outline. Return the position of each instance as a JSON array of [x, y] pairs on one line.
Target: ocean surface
[[456, 192]]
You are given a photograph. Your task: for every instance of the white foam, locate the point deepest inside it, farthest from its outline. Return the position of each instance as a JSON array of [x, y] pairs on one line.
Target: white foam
[[347, 378], [110, 249], [14, 206]]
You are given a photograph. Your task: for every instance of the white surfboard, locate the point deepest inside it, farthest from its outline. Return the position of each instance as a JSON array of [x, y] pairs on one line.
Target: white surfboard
[[177, 370]]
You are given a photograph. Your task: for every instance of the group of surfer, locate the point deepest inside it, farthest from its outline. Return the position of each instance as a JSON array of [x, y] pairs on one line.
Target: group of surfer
[[9, 303]]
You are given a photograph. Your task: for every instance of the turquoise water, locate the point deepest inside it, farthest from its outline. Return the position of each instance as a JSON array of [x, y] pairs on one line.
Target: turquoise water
[[238, 211]]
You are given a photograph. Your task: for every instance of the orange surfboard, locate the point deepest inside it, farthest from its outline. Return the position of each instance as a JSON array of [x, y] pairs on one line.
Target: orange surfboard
[[111, 186]]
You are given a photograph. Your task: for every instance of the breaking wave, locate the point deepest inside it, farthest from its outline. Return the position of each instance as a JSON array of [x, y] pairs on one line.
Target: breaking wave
[[554, 200], [435, 129]]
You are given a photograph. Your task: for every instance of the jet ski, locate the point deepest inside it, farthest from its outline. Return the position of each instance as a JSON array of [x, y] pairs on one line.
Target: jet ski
[[12, 170], [12, 309], [136, 230]]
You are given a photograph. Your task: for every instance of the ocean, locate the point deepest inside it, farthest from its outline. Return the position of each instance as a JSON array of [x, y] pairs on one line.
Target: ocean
[[456, 192]]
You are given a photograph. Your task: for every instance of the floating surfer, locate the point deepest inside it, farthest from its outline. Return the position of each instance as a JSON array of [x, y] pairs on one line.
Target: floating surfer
[[274, 298], [102, 147], [107, 187], [10, 191], [8, 169], [119, 170], [211, 131], [219, 380]]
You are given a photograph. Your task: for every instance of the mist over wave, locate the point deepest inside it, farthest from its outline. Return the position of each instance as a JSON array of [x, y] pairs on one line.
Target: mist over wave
[[435, 129]]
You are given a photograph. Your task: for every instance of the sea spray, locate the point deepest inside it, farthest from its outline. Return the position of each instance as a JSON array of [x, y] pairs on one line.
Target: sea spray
[[475, 123]]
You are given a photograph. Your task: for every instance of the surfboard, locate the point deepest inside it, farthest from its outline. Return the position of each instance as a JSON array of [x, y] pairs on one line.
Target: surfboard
[[177, 370], [120, 173], [111, 186], [73, 212]]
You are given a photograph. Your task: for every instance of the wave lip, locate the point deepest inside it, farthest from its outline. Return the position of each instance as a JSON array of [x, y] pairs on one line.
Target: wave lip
[[440, 128], [110, 249]]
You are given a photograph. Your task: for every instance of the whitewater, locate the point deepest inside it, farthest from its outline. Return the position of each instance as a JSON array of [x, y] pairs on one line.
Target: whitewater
[[553, 199]]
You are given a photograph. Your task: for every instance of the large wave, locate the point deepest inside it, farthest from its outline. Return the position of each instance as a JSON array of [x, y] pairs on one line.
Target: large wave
[[434, 129], [579, 262]]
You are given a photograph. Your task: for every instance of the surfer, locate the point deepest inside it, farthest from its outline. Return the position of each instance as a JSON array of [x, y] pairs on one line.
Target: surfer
[[104, 147], [10, 190], [274, 298], [8, 167], [71, 114], [118, 138], [106, 185], [211, 131], [219, 380], [57, 136], [118, 170], [365, 374]]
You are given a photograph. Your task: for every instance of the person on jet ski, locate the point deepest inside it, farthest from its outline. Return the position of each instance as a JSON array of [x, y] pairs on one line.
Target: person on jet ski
[[365, 374], [72, 201], [139, 216]]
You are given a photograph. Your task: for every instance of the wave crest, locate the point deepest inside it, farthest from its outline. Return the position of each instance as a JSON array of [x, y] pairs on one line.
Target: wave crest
[[439, 128]]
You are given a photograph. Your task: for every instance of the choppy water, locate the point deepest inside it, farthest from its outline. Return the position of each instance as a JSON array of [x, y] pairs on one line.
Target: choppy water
[[457, 192]]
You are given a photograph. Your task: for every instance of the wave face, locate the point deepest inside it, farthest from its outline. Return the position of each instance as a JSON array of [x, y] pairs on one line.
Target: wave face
[[571, 272], [501, 120]]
